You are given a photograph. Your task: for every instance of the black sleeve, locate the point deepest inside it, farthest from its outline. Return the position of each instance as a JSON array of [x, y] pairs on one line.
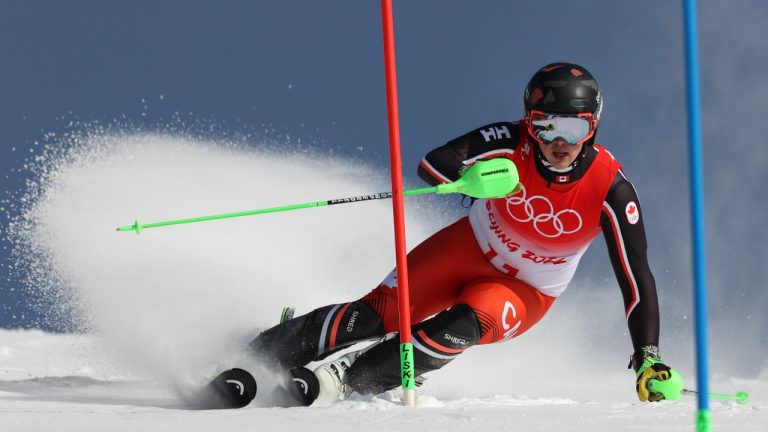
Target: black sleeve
[[624, 234], [443, 164]]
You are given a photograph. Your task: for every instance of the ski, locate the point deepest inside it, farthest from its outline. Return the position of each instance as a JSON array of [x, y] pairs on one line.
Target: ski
[[303, 385], [236, 388], [287, 314], [233, 388]]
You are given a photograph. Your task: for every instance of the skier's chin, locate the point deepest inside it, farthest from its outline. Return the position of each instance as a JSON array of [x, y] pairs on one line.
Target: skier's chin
[[560, 160]]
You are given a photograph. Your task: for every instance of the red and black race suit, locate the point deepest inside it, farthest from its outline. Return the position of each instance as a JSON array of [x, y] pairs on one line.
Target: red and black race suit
[[539, 234]]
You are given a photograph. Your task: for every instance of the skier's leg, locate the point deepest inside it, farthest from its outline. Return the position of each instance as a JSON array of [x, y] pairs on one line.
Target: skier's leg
[[439, 268], [437, 341], [489, 310], [301, 340]]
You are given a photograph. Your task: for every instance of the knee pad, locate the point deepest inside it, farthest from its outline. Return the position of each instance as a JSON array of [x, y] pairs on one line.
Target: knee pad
[[441, 338], [436, 342], [301, 340], [349, 324]]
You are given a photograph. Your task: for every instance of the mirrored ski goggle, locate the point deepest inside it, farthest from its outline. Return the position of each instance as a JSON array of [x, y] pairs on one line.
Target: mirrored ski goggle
[[572, 129]]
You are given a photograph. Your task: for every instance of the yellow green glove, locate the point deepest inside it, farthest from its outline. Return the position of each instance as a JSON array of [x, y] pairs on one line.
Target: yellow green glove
[[657, 381]]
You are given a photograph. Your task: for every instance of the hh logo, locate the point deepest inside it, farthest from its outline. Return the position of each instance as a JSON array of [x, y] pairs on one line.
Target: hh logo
[[495, 132]]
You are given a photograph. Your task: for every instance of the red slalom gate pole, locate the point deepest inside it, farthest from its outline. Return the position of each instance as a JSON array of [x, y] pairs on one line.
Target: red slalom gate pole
[[395, 166]]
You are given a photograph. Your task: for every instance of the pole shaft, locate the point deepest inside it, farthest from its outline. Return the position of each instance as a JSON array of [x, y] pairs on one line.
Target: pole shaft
[[697, 208], [714, 395], [397, 183], [238, 214], [376, 196]]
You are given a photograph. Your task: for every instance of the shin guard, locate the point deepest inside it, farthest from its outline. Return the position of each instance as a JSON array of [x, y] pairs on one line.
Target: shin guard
[[301, 340], [436, 342]]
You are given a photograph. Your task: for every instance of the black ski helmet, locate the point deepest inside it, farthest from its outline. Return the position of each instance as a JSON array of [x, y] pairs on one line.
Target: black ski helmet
[[563, 88]]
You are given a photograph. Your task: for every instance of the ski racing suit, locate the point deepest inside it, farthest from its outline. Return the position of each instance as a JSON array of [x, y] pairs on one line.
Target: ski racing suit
[[492, 275]]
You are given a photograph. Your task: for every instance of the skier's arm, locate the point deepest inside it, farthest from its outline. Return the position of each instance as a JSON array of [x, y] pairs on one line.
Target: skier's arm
[[443, 164], [624, 233]]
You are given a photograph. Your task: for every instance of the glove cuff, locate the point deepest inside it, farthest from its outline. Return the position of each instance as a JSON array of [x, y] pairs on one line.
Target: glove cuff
[[639, 357]]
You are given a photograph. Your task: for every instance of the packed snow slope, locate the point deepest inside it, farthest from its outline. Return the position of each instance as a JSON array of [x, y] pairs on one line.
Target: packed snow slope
[[156, 313], [75, 383]]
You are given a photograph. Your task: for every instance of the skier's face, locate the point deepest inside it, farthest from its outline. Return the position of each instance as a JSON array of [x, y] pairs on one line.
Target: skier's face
[[559, 153]]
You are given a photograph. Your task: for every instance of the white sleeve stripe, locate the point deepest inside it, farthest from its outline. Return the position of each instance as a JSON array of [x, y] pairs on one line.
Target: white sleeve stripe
[[624, 259], [497, 152], [435, 173]]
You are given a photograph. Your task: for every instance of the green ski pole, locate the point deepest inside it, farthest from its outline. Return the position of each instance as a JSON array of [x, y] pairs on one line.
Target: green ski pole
[[485, 179], [741, 397], [671, 390]]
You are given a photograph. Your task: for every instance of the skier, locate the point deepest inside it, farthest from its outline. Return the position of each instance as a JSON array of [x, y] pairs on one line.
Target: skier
[[491, 275]]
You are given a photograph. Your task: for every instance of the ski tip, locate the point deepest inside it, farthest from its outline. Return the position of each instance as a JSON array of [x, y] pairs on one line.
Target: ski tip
[[287, 314], [233, 388], [304, 385]]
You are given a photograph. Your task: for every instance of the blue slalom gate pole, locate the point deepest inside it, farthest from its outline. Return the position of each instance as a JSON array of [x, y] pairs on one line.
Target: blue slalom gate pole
[[703, 416]]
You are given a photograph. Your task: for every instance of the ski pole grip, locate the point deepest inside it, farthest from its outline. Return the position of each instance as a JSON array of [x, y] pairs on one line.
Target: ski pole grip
[[671, 388], [494, 178]]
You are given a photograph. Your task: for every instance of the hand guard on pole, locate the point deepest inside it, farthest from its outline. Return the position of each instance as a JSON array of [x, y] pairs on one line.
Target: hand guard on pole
[[655, 380]]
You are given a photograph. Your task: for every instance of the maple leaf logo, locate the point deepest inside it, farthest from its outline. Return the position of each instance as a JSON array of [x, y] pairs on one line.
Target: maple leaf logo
[[633, 213]]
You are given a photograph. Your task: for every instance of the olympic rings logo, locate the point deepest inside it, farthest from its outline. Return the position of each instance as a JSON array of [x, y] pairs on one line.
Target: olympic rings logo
[[540, 210]]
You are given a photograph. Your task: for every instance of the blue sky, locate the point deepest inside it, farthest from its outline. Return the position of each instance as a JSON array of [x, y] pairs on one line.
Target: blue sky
[[314, 68], [290, 70]]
